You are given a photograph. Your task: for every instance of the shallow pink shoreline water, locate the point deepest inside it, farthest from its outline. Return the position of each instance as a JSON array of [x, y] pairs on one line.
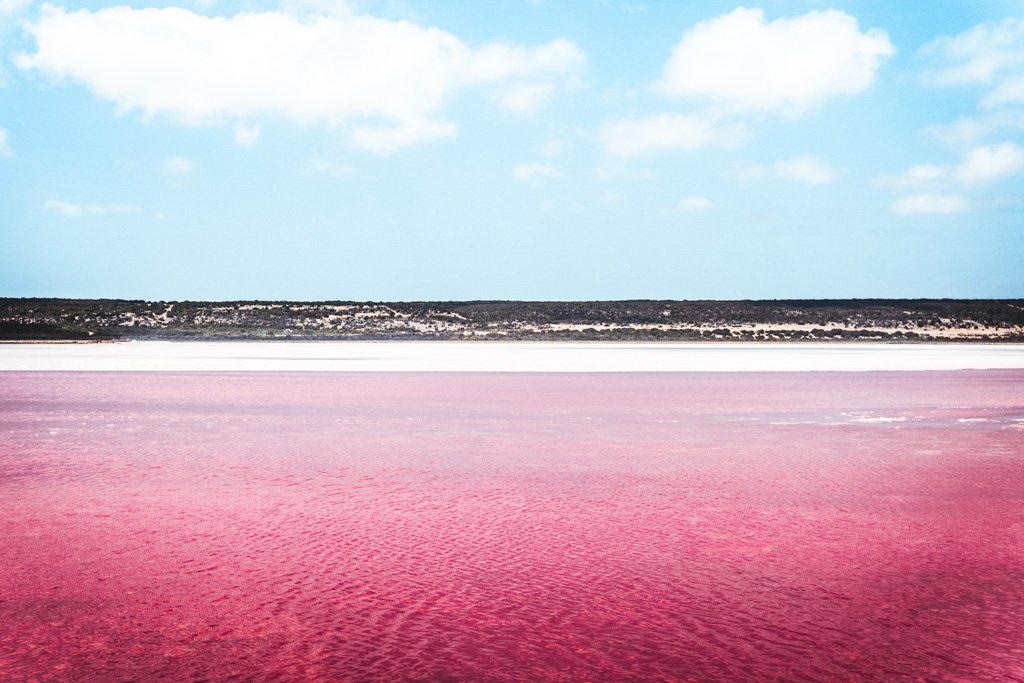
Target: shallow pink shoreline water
[[420, 526]]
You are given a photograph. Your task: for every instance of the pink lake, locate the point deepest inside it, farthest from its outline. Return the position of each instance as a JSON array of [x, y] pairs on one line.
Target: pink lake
[[306, 526]]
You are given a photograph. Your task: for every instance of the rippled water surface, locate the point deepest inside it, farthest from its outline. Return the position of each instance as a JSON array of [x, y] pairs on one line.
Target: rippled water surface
[[491, 527]]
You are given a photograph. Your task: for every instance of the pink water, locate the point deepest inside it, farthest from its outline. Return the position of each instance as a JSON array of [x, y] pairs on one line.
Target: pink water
[[512, 527]]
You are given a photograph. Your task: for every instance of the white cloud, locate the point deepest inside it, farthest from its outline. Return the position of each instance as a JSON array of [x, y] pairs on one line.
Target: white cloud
[[980, 165], [328, 8], [979, 55], [11, 12], [929, 204], [390, 138], [73, 210], [989, 164], [1009, 91], [968, 131], [5, 146], [532, 173], [12, 8], [500, 61], [516, 70], [693, 203], [389, 81], [917, 176], [990, 54], [177, 166], [741, 62], [807, 169], [318, 164], [803, 168], [247, 135], [631, 136], [525, 97]]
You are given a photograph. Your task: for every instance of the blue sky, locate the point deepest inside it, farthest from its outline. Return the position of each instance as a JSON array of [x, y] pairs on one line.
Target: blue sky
[[514, 149]]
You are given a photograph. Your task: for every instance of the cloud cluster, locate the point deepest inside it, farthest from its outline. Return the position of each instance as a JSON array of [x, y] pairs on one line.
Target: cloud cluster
[[979, 166], [5, 147], [989, 56], [387, 82], [741, 62]]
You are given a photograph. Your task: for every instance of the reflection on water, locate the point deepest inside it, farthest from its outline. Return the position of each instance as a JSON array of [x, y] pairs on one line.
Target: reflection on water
[[424, 526]]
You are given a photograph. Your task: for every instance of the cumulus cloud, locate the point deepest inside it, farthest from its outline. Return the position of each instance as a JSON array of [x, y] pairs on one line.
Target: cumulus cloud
[[532, 173], [741, 62], [388, 81], [177, 166], [930, 204], [72, 210], [5, 146], [631, 136], [694, 203]]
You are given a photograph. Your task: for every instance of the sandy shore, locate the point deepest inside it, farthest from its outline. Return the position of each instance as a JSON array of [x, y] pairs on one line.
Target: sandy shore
[[511, 357]]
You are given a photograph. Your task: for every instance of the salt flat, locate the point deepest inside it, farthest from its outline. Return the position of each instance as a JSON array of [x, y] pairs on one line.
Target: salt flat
[[506, 357]]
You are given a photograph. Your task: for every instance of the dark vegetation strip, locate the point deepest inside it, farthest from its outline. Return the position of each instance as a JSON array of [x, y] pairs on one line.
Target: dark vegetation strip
[[641, 320]]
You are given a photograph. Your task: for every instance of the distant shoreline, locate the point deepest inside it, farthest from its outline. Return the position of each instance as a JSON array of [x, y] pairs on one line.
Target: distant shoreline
[[500, 342], [647, 321]]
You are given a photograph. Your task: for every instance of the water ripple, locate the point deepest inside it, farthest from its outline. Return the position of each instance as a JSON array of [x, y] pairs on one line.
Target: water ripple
[[433, 527]]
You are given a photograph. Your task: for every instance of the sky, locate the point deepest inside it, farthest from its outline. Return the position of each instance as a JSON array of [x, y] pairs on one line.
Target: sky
[[512, 149]]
